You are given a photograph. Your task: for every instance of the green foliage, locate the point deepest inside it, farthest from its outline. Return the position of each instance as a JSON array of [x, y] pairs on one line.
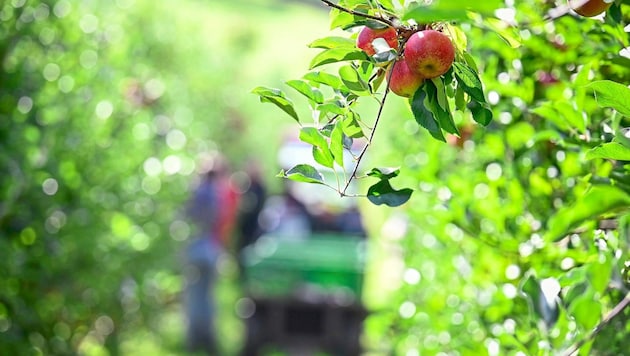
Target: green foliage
[[107, 112], [516, 238], [360, 77]]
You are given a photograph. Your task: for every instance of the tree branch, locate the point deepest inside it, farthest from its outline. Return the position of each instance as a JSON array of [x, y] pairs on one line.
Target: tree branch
[[613, 313], [378, 118], [356, 13]]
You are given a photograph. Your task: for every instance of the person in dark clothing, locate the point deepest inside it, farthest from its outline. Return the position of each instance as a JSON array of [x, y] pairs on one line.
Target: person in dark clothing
[[201, 255], [251, 204]]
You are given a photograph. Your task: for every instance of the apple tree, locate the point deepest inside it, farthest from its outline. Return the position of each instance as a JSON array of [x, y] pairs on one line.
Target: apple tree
[[515, 240]]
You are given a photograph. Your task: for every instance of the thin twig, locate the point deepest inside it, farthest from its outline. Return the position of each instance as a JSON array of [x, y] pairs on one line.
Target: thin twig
[[356, 13], [401, 45], [369, 142], [613, 313]]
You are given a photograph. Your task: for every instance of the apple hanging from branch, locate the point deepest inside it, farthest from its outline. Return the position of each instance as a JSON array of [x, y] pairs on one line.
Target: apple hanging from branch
[[402, 80], [429, 53], [367, 35], [590, 8]]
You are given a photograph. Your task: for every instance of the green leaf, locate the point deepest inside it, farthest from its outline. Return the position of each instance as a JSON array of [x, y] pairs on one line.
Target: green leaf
[[378, 80], [600, 271], [335, 55], [530, 290], [586, 310], [610, 94], [440, 91], [561, 114], [341, 19], [324, 78], [509, 34], [384, 173], [344, 20], [579, 84], [331, 107], [351, 127], [308, 91], [383, 193], [610, 150], [321, 151], [276, 97], [303, 173], [440, 108], [353, 80], [597, 201], [460, 100], [469, 80], [423, 115], [333, 42], [450, 10], [547, 111], [323, 156], [481, 112], [312, 136], [623, 136], [336, 144], [424, 14]]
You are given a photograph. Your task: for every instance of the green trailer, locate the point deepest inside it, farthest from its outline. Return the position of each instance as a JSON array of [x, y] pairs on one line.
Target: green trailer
[[305, 293]]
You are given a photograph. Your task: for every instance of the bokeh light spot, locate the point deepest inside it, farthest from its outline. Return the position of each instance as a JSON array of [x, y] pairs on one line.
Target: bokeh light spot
[[50, 186]]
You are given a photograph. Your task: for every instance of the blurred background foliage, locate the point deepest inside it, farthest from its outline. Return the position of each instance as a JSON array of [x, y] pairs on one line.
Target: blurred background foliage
[[108, 110]]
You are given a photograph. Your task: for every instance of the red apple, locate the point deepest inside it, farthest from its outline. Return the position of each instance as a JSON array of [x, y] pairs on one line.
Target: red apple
[[429, 53], [402, 81], [367, 35], [590, 8]]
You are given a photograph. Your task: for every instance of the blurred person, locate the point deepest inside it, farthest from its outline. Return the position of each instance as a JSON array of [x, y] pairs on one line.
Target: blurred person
[[285, 216], [211, 209], [252, 200]]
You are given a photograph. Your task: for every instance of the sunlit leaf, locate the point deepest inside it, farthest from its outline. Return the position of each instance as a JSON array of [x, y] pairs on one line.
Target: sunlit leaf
[[341, 19], [276, 97], [547, 111], [614, 95], [303, 173], [597, 201], [333, 42], [336, 144], [324, 78], [586, 310], [353, 81], [384, 173], [331, 108], [335, 55], [312, 136], [351, 127], [305, 89], [509, 34], [469, 80], [323, 156], [599, 273], [450, 10], [321, 150], [610, 150]]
